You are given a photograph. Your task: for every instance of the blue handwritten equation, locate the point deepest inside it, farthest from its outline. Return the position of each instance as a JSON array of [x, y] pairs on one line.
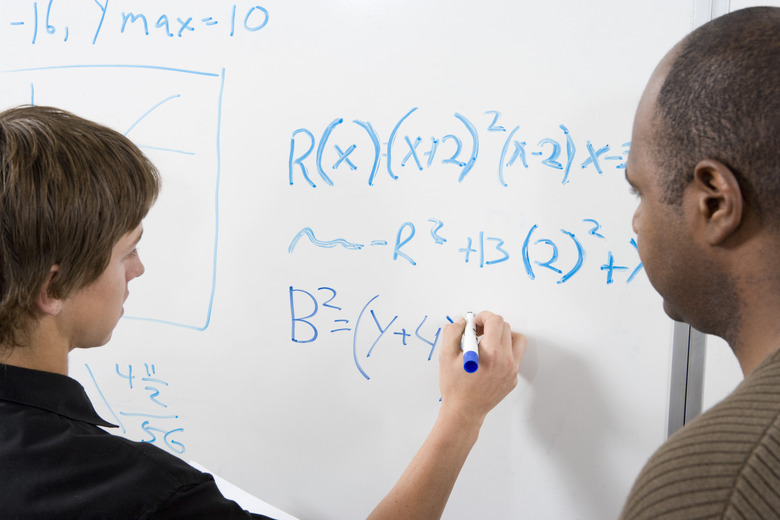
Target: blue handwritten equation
[[38, 20], [308, 309], [458, 150], [562, 252], [141, 405]]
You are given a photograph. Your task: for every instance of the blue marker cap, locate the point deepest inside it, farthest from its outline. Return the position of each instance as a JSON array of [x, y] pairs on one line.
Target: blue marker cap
[[470, 361]]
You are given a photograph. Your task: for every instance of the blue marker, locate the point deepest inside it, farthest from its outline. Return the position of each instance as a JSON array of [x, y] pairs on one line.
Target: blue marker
[[469, 345]]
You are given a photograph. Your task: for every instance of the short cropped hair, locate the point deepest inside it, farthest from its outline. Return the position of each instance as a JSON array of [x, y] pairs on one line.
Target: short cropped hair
[[721, 100], [69, 190]]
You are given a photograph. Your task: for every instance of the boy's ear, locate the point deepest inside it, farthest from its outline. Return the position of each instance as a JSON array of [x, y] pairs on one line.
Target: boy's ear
[[718, 200], [46, 302]]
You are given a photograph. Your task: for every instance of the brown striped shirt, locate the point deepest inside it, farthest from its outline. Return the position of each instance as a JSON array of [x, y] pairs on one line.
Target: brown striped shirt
[[724, 464]]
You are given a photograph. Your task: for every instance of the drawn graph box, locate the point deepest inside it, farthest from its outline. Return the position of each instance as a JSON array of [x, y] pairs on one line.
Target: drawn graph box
[[174, 116]]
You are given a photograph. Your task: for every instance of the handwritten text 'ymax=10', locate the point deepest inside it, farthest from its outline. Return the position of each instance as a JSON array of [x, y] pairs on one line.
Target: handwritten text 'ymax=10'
[[560, 252], [315, 313], [459, 150], [53, 20]]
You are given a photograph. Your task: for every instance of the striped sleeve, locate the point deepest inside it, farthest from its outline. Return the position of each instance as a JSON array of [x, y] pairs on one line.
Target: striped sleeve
[[724, 464]]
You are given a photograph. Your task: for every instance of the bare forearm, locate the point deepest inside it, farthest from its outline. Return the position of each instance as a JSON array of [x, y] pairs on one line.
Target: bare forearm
[[424, 487]]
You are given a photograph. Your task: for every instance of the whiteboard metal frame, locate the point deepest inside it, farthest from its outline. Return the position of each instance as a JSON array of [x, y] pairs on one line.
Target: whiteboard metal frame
[[687, 378]]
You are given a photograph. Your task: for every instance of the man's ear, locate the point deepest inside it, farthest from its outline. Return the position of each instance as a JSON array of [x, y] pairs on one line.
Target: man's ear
[[46, 302], [718, 200]]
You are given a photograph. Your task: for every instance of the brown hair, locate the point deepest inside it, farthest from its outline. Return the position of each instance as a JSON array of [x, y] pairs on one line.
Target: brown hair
[[69, 190]]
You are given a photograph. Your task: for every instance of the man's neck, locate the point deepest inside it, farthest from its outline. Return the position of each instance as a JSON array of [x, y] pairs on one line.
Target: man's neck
[[25, 357], [43, 351], [758, 334], [759, 337]]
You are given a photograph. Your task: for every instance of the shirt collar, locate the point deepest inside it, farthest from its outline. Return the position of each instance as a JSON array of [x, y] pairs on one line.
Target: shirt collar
[[55, 393]]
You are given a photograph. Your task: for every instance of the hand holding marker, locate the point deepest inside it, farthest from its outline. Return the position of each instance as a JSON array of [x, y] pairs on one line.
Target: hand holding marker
[[469, 345]]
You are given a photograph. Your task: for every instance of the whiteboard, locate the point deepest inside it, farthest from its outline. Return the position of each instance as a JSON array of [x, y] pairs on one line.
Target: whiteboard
[[342, 177]]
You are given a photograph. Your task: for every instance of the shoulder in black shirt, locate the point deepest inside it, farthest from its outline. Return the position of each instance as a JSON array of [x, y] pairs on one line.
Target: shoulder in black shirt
[[55, 461]]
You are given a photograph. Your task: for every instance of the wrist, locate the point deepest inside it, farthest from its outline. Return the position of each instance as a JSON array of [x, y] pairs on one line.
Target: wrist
[[457, 419]]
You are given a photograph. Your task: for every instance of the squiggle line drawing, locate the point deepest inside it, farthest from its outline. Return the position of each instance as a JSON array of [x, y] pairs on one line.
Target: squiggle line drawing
[[320, 243]]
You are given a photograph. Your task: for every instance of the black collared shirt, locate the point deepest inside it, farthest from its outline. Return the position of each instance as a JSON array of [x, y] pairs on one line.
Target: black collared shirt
[[56, 463]]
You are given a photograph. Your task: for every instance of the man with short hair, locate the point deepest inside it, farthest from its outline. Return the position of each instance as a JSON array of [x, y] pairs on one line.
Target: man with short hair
[[704, 162]]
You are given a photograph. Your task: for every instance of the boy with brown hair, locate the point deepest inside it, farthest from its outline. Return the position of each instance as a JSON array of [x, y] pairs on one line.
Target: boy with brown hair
[[73, 195]]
